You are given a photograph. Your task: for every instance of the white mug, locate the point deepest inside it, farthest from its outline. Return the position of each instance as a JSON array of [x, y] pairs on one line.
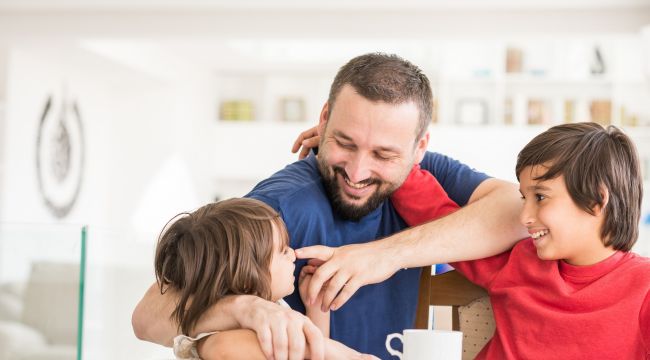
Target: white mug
[[428, 345]]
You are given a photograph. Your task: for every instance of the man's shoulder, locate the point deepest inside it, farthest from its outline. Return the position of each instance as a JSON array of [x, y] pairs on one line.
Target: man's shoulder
[[296, 184]]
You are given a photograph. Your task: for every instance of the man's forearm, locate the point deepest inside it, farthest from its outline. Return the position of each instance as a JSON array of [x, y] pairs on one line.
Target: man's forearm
[[488, 225], [152, 321]]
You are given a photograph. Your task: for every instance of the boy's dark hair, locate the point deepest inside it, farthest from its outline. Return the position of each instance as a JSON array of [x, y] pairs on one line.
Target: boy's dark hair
[[221, 249], [387, 78], [592, 158]]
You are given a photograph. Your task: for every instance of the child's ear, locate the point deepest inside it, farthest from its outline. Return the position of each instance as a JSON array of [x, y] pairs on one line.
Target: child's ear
[[604, 194]]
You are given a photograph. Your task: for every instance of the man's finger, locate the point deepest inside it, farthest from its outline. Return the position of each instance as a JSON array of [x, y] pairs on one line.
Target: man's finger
[[335, 285], [296, 341], [322, 275], [319, 252], [315, 341], [280, 340], [344, 295], [266, 341]]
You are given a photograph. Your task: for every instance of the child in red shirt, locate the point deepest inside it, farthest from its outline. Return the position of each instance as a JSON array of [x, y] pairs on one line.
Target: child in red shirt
[[572, 290]]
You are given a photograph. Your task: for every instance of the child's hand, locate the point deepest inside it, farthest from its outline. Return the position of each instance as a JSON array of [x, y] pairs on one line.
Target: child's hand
[[304, 279]]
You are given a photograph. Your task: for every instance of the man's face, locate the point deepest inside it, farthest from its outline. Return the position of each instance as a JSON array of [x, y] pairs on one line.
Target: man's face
[[366, 151]]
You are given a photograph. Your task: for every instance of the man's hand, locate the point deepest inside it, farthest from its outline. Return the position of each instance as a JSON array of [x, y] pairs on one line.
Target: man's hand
[[345, 270], [307, 140], [282, 333]]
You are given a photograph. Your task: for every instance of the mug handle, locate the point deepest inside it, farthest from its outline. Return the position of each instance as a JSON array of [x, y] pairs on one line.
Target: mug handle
[[390, 349]]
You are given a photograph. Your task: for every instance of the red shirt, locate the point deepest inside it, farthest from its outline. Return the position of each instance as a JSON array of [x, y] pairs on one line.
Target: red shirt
[[548, 309]]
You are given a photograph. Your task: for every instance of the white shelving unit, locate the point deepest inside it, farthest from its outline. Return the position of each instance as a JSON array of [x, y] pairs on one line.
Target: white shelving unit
[[474, 96]]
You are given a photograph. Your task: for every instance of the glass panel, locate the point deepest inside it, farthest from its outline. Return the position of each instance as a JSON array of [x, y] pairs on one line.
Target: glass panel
[[119, 270], [41, 287]]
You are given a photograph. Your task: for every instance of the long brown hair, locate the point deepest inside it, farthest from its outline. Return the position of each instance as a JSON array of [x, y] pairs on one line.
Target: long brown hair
[[591, 157], [221, 249]]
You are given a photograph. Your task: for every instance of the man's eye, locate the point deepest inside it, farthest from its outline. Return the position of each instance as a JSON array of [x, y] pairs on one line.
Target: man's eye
[[345, 146], [540, 197]]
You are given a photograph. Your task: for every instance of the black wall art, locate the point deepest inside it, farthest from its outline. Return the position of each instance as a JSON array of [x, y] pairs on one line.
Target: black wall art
[[60, 153]]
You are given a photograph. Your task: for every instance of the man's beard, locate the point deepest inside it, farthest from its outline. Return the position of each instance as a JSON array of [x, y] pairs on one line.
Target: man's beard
[[344, 209]]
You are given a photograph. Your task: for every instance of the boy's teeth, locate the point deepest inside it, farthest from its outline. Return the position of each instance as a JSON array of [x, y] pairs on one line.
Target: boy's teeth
[[539, 234]]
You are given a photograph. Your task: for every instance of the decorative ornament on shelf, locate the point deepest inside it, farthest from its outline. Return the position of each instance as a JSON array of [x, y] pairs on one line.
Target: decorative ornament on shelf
[[598, 67]]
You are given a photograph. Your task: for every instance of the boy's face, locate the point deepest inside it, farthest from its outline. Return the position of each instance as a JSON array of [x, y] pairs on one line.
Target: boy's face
[[282, 265], [560, 230]]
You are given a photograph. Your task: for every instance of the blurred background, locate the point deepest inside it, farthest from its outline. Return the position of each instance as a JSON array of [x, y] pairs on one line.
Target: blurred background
[[117, 115]]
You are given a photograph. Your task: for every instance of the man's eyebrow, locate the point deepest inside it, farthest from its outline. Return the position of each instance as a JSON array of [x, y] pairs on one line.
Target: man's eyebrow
[[338, 133]]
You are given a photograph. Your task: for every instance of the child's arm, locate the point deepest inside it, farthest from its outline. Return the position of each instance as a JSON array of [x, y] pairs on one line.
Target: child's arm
[[320, 318], [243, 344], [421, 198]]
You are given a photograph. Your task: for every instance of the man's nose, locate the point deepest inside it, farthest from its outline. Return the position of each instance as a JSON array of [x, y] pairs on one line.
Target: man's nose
[[358, 168]]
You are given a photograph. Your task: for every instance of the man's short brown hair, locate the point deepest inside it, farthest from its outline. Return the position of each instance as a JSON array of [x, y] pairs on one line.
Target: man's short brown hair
[[592, 158], [387, 78]]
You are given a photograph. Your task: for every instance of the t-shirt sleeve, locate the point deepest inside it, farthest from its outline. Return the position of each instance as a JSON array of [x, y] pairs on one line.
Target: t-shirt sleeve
[[457, 179], [644, 323], [482, 271], [421, 198]]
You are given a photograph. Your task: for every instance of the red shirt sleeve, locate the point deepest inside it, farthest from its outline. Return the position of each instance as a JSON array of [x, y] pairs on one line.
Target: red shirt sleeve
[[644, 323], [421, 198]]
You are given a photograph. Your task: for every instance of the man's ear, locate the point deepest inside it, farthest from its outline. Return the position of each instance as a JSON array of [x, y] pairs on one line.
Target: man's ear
[[322, 122], [604, 194], [421, 147]]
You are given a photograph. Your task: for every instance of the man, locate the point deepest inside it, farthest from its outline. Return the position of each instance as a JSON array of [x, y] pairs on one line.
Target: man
[[372, 129]]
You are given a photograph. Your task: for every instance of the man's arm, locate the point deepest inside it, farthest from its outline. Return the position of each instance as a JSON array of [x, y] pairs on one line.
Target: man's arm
[[273, 324], [242, 344], [488, 225]]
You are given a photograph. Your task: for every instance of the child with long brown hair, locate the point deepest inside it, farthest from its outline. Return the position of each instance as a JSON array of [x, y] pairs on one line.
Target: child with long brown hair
[[233, 247]]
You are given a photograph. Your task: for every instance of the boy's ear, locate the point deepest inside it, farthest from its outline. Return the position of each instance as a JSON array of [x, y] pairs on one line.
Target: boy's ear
[[604, 194]]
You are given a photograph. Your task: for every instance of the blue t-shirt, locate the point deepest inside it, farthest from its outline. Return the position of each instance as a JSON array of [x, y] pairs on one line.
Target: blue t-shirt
[[374, 311]]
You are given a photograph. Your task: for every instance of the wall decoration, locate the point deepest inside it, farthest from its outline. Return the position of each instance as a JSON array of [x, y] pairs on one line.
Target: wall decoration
[[471, 111], [292, 109], [60, 152]]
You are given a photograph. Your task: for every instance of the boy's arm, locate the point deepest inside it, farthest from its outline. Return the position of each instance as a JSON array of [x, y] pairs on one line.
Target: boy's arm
[[273, 324], [421, 198]]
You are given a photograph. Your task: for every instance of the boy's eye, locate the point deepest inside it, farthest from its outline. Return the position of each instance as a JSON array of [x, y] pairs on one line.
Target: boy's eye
[[540, 197]]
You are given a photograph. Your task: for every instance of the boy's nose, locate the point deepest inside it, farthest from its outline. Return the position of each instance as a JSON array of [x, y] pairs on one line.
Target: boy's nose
[[526, 217]]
